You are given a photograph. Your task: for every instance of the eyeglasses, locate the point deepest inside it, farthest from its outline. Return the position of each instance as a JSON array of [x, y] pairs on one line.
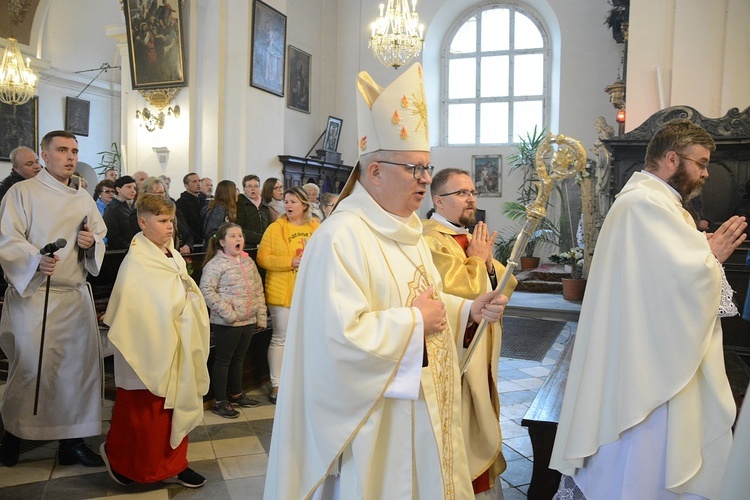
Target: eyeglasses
[[328, 205], [702, 164], [107, 191], [416, 170], [461, 193]]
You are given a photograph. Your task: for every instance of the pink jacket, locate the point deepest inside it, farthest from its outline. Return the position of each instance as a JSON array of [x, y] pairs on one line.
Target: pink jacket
[[233, 291]]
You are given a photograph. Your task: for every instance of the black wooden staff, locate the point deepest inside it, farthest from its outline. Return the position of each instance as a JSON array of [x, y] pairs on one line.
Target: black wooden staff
[[49, 249]]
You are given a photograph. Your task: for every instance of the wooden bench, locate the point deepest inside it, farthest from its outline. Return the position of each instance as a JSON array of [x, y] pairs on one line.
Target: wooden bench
[[541, 420]]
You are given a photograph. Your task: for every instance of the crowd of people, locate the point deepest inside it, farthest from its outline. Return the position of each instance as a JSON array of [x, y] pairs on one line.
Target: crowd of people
[[201, 210], [160, 382], [370, 399]]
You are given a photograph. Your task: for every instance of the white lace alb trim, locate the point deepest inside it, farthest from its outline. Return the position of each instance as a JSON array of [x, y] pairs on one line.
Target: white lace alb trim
[[727, 308]]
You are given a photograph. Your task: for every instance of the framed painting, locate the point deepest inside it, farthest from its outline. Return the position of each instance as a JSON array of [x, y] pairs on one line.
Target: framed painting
[[298, 90], [267, 51], [19, 126], [333, 132], [155, 43], [77, 116], [487, 174]]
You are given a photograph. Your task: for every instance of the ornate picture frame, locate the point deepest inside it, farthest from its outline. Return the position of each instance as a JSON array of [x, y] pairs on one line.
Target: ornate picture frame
[[333, 133], [19, 126], [487, 174], [77, 116], [267, 49], [298, 87], [156, 45]]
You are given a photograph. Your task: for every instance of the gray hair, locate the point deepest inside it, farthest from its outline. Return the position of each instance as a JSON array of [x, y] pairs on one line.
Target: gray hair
[[15, 152], [311, 186]]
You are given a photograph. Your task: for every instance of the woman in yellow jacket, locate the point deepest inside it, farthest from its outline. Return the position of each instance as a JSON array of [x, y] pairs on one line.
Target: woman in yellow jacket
[[280, 253]]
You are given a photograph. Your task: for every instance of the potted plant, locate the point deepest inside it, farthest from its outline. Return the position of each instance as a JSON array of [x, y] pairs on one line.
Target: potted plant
[[110, 159], [523, 161], [546, 233], [503, 248], [574, 286]]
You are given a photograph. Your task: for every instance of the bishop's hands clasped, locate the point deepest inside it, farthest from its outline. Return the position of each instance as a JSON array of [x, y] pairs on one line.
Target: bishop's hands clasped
[[433, 311], [487, 307], [728, 237]]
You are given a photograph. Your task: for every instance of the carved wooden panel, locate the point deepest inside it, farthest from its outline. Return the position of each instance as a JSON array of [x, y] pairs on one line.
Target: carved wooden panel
[[729, 171]]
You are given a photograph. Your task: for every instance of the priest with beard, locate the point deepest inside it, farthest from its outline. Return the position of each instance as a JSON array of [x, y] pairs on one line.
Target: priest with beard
[[465, 263], [648, 410]]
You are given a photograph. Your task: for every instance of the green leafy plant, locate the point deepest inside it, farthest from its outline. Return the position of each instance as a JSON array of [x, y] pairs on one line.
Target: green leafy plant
[[546, 232], [523, 161], [110, 159], [503, 248]]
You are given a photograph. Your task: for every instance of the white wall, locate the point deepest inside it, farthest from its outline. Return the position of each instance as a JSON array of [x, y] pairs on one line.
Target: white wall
[[701, 50], [228, 128], [68, 37], [579, 43]]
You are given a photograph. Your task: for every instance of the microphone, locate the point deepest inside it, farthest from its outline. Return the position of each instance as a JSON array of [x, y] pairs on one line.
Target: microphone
[[53, 247]]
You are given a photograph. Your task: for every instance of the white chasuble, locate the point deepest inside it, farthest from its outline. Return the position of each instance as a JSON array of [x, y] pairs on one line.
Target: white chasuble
[[351, 323], [36, 212], [649, 335]]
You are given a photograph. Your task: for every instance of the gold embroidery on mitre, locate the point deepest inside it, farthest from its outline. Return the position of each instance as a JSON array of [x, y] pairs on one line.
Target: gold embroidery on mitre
[[395, 119], [363, 143], [404, 102], [419, 110], [404, 133]]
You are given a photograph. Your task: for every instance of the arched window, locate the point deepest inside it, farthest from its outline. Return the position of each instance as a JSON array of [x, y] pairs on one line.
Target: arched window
[[496, 74]]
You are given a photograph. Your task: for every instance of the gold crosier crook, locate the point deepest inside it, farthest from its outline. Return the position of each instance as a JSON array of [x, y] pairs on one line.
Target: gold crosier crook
[[567, 160]]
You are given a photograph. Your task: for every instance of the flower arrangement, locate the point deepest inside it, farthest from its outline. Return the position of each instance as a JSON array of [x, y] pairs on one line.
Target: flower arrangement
[[572, 258]]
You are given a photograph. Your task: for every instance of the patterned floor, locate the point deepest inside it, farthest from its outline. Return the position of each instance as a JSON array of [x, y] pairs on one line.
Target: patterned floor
[[232, 454]]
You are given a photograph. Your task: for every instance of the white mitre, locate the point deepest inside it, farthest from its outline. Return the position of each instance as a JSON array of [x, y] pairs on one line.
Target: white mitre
[[392, 118]]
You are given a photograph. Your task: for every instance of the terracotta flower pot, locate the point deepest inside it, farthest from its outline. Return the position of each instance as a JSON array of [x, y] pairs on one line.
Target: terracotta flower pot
[[573, 288], [529, 263]]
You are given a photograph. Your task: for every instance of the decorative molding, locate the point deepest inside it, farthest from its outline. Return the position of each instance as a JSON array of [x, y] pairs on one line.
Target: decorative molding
[[735, 124], [160, 98], [18, 10]]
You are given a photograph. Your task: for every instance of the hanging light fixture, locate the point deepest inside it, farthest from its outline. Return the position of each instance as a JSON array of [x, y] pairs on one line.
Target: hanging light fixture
[[17, 81], [397, 37], [160, 98]]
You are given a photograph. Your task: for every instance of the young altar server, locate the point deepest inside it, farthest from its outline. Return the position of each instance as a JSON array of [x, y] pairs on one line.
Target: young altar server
[[159, 327]]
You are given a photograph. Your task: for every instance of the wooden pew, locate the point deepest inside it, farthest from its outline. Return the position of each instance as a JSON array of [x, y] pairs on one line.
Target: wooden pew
[[541, 420]]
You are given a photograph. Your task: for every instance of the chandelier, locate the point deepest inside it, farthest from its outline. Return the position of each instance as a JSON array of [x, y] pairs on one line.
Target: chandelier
[[396, 36], [17, 81]]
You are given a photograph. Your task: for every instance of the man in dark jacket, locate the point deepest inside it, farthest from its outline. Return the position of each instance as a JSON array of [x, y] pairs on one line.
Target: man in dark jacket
[[117, 214], [191, 201], [252, 214], [25, 165]]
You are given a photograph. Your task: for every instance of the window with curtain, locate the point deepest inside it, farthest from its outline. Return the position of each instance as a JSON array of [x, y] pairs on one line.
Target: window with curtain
[[496, 69]]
